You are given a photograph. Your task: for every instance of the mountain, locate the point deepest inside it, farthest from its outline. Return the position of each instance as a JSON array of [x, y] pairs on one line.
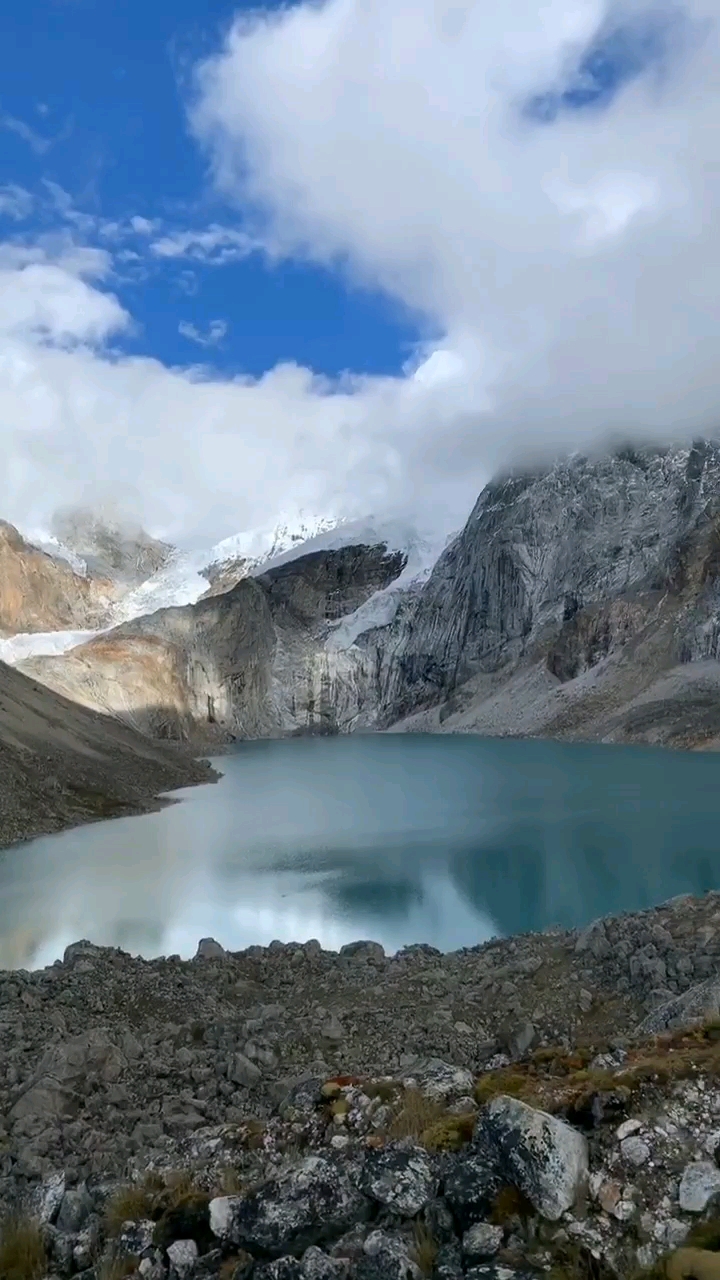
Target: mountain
[[108, 548], [42, 593], [251, 662], [61, 764], [581, 600]]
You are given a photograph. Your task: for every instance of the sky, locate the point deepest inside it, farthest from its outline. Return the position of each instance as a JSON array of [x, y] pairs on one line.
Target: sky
[[347, 257]]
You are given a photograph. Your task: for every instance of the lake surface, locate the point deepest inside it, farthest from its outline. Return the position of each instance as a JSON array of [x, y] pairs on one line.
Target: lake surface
[[446, 840]]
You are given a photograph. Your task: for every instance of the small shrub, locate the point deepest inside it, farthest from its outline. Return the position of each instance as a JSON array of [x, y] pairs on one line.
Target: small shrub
[[22, 1252]]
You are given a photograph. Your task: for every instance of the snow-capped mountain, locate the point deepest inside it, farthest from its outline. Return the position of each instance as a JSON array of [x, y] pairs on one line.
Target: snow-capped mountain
[[189, 574], [186, 576]]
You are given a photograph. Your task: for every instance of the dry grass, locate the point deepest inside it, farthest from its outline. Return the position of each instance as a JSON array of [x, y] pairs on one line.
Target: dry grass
[[424, 1250], [556, 1081], [118, 1269], [128, 1204], [430, 1124], [509, 1206], [22, 1252]]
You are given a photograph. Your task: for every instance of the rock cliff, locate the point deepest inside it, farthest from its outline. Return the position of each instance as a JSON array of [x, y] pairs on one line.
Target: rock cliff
[[250, 662], [582, 601], [41, 593]]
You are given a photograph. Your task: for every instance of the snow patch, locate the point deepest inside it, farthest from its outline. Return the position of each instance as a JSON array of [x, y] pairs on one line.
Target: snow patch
[[41, 644], [380, 609]]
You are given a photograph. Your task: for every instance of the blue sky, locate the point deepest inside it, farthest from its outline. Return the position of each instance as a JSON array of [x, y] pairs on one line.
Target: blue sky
[[93, 100]]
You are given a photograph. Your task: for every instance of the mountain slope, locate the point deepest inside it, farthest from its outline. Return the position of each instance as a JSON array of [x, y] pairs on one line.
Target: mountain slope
[[580, 601], [39, 592], [61, 764], [583, 601], [251, 662]]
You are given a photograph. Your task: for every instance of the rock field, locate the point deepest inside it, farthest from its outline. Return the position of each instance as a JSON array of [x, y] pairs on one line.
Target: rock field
[[542, 1105]]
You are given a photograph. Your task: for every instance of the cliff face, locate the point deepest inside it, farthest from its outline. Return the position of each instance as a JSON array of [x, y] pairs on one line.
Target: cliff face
[[581, 601], [251, 662], [41, 593]]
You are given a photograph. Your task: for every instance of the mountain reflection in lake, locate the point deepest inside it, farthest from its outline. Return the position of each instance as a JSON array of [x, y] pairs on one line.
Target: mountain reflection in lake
[[446, 840]]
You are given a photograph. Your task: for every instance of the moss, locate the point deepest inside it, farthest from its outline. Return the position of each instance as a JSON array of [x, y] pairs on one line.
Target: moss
[[22, 1252], [450, 1132], [495, 1083]]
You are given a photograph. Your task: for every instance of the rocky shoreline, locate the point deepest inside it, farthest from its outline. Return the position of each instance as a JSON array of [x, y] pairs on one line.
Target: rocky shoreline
[[545, 1104]]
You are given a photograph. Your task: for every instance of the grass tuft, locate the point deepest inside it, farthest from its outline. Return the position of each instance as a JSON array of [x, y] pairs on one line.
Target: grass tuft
[[128, 1204], [22, 1251], [425, 1250]]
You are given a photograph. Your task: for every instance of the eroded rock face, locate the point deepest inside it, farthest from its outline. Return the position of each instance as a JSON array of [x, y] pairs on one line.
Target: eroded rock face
[[41, 593], [580, 601], [249, 663]]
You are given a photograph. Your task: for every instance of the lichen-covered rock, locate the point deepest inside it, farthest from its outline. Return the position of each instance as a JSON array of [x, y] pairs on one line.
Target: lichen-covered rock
[[481, 1241], [182, 1255], [687, 1010], [699, 1183], [439, 1080], [310, 1203], [402, 1178], [541, 1155], [387, 1256], [471, 1181]]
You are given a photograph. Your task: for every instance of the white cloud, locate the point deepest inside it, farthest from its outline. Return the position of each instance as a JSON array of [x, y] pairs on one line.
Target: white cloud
[[216, 245], [21, 129], [15, 202], [573, 266], [215, 332], [194, 455]]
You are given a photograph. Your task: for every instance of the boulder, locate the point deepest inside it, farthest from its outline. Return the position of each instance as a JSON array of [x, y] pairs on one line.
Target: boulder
[[402, 1178], [313, 1202], [542, 1156], [694, 1006]]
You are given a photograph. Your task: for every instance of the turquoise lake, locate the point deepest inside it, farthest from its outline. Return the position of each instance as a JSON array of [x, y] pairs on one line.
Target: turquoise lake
[[445, 840]]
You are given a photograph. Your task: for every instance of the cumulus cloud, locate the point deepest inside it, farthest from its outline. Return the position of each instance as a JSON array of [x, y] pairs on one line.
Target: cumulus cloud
[[542, 182], [191, 454]]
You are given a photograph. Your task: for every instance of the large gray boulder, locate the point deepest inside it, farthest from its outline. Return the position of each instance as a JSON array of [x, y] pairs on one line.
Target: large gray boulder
[[687, 1010], [311, 1203], [545, 1158], [404, 1179]]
